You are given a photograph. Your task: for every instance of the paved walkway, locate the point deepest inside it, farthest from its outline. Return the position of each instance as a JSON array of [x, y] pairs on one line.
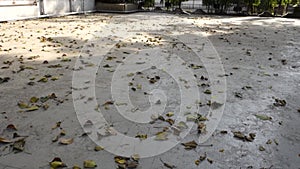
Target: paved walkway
[[143, 84]]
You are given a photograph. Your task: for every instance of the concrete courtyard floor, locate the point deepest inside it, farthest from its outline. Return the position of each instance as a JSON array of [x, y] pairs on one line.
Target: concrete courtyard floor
[[231, 84]]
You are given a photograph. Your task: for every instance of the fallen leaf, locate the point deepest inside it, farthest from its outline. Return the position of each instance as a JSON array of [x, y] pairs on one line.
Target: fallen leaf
[[98, 148], [182, 125], [23, 105], [4, 79], [215, 105], [170, 121], [54, 78], [238, 95], [65, 60], [64, 141], [223, 132], [161, 136], [89, 164], [136, 157], [251, 137], [130, 74], [132, 164], [32, 108], [62, 132], [139, 86], [190, 145], [55, 139], [57, 163], [4, 140], [239, 135], [201, 128], [19, 145], [121, 160], [263, 117], [110, 102], [76, 167], [202, 157], [43, 79], [197, 162], [170, 114], [141, 136], [209, 160], [261, 148], [34, 99], [207, 91], [170, 166], [279, 102], [44, 99], [55, 66], [57, 125], [191, 117], [11, 127], [45, 106], [88, 123], [269, 141]]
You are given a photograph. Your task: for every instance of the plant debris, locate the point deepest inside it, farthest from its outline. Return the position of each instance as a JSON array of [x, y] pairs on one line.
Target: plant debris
[[141, 136], [241, 136], [89, 164], [127, 163], [4, 79], [190, 145], [263, 117], [57, 163], [170, 166], [279, 102], [65, 141], [261, 148]]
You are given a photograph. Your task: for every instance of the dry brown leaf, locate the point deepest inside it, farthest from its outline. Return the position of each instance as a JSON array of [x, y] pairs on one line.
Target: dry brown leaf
[[190, 145], [4, 140], [11, 127], [64, 141]]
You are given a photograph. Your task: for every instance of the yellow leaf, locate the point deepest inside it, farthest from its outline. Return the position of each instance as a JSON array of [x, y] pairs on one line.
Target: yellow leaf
[[120, 160], [76, 167], [34, 99], [23, 105], [182, 125], [98, 148], [139, 86], [89, 164], [32, 108], [43, 79], [170, 114], [54, 78], [57, 164], [161, 136], [141, 136]]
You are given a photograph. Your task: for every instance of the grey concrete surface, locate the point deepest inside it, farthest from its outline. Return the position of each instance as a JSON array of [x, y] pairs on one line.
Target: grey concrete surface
[[261, 62]]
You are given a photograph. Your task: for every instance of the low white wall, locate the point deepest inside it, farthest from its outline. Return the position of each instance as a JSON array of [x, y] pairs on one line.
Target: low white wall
[[66, 6], [56, 6], [51, 7], [18, 12]]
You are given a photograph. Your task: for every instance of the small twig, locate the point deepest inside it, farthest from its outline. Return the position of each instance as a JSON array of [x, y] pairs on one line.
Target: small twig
[[167, 165]]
